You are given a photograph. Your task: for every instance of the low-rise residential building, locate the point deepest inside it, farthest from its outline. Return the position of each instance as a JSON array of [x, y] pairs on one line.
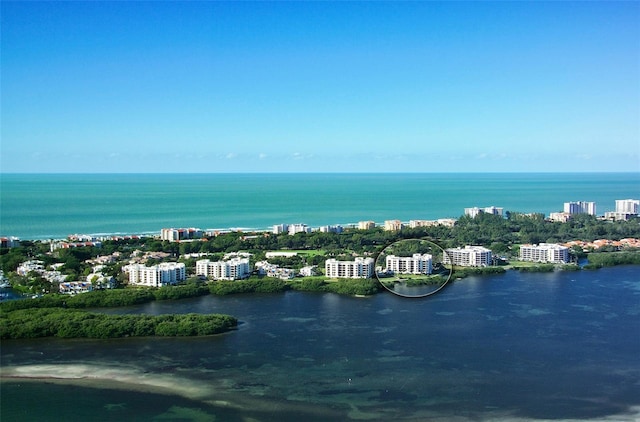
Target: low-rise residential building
[[101, 281], [469, 256], [416, 264], [618, 216], [281, 254], [560, 217], [308, 271], [366, 225], [70, 245], [232, 269], [156, 276], [29, 266], [272, 270], [544, 252], [447, 222], [75, 287], [358, 268]]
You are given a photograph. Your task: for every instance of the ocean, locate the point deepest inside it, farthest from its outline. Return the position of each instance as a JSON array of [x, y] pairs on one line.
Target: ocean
[[44, 206], [560, 346]]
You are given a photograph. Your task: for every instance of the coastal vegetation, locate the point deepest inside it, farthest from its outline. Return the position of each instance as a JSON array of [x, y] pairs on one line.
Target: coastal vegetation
[[609, 259], [502, 235], [75, 323]]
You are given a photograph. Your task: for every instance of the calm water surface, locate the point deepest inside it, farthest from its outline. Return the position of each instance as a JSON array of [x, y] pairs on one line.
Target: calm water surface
[[41, 206], [509, 347]]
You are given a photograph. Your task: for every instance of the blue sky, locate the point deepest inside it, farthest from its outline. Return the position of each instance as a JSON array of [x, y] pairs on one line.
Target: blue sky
[[320, 86]]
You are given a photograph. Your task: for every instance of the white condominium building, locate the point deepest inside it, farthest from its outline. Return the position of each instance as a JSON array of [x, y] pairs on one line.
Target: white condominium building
[[359, 268], [416, 264], [544, 252], [393, 225], [473, 212], [175, 235], [560, 217], [280, 228], [233, 269], [298, 228], [580, 207], [157, 275], [331, 229], [627, 206], [366, 225], [469, 256]]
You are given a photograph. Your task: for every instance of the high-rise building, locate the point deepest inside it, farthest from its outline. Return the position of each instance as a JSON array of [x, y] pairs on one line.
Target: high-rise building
[[580, 207], [627, 206]]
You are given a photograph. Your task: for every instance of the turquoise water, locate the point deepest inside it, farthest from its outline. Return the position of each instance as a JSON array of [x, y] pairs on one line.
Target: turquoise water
[[519, 346], [36, 206]]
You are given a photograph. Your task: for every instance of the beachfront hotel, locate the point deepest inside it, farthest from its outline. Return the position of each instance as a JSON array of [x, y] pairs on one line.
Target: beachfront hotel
[[416, 264], [544, 252], [580, 207], [469, 256], [232, 269], [359, 268], [156, 276]]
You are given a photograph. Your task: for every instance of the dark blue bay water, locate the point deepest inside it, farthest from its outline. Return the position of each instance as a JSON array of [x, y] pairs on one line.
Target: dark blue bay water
[[37, 206], [559, 346]]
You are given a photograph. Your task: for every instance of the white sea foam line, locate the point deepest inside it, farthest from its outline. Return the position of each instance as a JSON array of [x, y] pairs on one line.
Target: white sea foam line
[[172, 383]]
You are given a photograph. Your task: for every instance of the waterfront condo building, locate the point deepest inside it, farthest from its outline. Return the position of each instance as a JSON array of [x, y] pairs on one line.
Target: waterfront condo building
[[299, 228], [331, 229], [469, 256], [366, 225], [544, 252], [359, 268], [157, 275], [233, 269], [475, 211], [176, 235], [580, 207], [280, 228], [627, 206], [560, 217], [393, 225], [416, 264]]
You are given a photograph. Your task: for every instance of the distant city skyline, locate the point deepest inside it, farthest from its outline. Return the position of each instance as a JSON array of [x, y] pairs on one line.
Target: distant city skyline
[[185, 87]]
